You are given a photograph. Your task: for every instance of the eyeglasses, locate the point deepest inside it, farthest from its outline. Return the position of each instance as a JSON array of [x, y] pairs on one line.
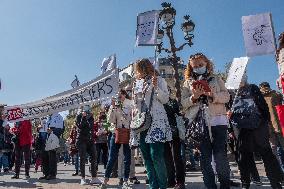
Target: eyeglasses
[[197, 55]]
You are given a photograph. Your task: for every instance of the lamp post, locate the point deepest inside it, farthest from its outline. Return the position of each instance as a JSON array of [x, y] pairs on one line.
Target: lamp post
[[167, 22]]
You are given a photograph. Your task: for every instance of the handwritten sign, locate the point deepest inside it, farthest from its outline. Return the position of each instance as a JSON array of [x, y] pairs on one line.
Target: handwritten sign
[[147, 28], [258, 34], [103, 87], [236, 72]]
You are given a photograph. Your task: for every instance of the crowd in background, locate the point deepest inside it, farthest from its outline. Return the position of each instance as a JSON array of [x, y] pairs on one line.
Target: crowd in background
[[176, 136]]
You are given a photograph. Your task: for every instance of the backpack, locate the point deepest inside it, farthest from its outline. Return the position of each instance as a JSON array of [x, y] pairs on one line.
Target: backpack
[[245, 112]]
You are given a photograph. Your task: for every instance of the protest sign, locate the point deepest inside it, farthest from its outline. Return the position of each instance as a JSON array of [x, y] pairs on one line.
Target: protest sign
[[103, 87], [258, 34], [147, 28], [236, 72]]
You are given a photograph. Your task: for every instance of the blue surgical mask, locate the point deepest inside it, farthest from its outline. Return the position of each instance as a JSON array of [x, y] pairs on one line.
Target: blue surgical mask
[[200, 71]]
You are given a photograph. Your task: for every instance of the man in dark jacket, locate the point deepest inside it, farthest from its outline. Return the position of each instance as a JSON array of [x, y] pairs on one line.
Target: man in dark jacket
[[173, 158], [85, 143], [273, 98], [250, 140]]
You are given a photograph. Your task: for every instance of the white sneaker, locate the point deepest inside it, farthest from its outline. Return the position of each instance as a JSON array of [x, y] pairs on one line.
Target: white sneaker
[[125, 185], [95, 180], [83, 182]]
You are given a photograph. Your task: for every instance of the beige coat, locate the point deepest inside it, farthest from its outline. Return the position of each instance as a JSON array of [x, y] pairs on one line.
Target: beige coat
[[119, 117], [216, 104]]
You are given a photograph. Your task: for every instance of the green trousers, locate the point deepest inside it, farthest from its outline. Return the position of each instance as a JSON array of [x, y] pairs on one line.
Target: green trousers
[[153, 154]]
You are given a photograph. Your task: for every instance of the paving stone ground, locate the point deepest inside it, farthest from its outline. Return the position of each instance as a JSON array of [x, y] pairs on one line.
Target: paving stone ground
[[65, 180]]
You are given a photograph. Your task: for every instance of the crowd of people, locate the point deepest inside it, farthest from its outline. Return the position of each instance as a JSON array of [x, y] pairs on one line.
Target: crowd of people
[[171, 134]]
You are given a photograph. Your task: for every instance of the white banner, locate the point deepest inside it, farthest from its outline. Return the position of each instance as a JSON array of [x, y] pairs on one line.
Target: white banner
[[258, 34], [103, 87], [236, 72], [147, 28]]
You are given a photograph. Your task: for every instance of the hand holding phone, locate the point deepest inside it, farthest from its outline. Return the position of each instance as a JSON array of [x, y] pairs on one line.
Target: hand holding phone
[[201, 84]]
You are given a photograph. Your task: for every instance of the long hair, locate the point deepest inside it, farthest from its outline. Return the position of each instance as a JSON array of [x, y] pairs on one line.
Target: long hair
[[145, 66], [124, 92], [188, 73]]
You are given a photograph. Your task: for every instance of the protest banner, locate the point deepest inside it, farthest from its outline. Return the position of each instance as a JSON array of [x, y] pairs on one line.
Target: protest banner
[[236, 72], [147, 28], [103, 87], [258, 34]]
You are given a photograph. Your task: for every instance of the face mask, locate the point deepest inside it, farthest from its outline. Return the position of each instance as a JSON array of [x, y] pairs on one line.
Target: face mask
[[200, 71]]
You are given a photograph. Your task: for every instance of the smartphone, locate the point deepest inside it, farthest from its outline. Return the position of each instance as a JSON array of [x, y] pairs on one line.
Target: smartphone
[[203, 83]]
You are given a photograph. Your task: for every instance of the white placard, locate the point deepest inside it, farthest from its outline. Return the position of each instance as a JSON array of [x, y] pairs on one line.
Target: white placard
[[236, 72], [147, 28], [258, 34], [103, 87]]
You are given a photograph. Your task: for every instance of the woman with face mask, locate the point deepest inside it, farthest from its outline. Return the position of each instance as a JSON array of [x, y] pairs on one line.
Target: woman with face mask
[[204, 96]]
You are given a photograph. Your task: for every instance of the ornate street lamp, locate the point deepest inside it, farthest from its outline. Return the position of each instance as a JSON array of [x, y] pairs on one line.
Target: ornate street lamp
[[167, 21]]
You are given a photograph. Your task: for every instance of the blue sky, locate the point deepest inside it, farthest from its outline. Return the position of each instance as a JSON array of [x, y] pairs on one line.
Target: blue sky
[[44, 43]]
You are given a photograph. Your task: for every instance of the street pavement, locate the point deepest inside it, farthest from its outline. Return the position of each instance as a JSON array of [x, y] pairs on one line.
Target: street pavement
[[65, 180]]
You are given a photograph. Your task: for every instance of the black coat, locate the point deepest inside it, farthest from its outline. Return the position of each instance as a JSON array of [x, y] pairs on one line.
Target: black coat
[[85, 128], [172, 108], [251, 140]]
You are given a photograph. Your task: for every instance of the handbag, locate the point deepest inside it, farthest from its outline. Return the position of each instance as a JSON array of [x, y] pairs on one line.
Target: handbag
[[122, 135], [196, 130], [142, 121]]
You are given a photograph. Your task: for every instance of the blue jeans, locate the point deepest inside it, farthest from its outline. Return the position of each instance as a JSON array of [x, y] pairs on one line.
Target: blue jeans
[[113, 154], [280, 153], [4, 162], [77, 159], [218, 149]]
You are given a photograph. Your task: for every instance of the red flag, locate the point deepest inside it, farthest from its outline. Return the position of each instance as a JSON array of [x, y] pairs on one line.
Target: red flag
[[280, 112]]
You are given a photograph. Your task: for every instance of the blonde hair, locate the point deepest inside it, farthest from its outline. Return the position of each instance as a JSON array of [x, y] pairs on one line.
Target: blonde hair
[[198, 56], [145, 66]]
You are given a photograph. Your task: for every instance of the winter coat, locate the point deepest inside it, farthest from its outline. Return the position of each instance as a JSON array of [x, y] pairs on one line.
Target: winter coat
[[52, 142], [260, 135], [160, 130], [121, 116], [25, 133], [216, 104], [85, 128], [73, 134], [172, 109], [102, 138], [273, 99]]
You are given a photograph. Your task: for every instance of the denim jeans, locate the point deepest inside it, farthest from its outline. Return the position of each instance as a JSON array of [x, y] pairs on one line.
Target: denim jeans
[[153, 154], [113, 154], [76, 163], [280, 153], [218, 149], [4, 161]]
